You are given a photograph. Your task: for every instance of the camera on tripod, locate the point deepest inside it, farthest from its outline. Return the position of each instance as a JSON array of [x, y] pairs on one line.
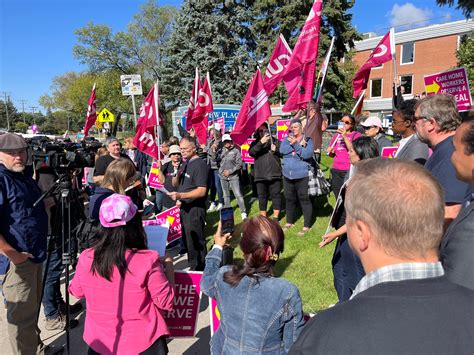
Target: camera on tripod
[[62, 155]]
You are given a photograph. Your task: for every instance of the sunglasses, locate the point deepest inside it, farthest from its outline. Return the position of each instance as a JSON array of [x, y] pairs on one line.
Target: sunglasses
[[346, 122], [367, 128]]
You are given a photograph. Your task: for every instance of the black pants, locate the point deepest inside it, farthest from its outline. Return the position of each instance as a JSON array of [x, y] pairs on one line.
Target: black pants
[[159, 347], [192, 223], [269, 189], [337, 180], [297, 191]]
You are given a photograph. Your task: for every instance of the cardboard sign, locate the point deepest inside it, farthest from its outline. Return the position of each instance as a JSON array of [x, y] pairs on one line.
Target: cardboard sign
[[453, 82], [153, 180], [389, 152], [220, 121], [182, 320], [172, 217], [283, 126], [244, 150]]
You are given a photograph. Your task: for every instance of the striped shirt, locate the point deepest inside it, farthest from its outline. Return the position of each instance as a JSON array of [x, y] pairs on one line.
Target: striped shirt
[[399, 272]]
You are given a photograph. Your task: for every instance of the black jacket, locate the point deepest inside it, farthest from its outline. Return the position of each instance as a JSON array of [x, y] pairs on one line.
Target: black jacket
[[419, 316], [267, 164]]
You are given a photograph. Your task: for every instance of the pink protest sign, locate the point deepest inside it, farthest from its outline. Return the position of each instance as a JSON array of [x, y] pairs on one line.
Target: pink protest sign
[[172, 217], [153, 180], [244, 150], [215, 315], [220, 121], [453, 82], [389, 152], [182, 320], [283, 126]]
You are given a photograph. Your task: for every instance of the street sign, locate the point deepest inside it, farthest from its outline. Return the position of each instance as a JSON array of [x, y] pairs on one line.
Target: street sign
[[131, 84], [453, 82], [98, 125], [106, 116]]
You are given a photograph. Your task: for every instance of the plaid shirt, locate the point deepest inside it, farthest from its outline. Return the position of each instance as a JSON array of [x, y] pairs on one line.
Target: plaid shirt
[[399, 272]]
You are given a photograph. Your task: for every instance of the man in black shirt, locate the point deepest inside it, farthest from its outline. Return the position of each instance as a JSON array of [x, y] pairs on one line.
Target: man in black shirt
[[191, 181], [113, 147]]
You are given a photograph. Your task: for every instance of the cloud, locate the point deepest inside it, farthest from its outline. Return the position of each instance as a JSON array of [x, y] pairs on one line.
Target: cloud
[[409, 16]]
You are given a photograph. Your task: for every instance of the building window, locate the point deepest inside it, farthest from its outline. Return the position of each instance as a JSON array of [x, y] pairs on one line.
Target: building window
[[378, 66], [408, 53], [376, 88], [407, 82]]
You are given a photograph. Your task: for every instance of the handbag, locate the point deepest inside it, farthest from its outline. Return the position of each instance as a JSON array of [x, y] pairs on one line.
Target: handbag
[[317, 183]]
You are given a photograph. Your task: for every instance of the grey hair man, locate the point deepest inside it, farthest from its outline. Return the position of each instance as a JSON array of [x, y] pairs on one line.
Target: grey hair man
[[457, 246], [400, 304], [436, 120], [113, 148]]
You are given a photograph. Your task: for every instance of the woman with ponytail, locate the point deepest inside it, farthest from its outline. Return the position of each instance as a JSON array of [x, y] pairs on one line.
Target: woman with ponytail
[[260, 313]]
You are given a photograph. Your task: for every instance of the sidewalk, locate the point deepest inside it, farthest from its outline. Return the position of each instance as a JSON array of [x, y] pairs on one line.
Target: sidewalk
[[197, 345]]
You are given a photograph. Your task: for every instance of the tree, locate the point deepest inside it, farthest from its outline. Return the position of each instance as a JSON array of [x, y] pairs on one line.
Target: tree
[[467, 6], [465, 56], [20, 127], [137, 51], [213, 36], [270, 18], [13, 115]]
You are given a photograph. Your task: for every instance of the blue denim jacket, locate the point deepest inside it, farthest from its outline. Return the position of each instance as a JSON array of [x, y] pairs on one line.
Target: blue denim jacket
[[256, 317]]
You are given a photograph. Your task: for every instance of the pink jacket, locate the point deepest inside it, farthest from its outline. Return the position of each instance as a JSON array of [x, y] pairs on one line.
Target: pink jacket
[[124, 316]]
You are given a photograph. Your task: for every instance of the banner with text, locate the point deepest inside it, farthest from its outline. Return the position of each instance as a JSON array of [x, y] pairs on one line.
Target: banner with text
[[283, 126], [153, 180], [172, 217], [182, 320], [453, 82], [244, 150]]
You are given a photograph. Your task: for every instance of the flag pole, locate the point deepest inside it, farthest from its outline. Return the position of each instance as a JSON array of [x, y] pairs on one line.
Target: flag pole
[[358, 101], [157, 113], [394, 54], [320, 92]]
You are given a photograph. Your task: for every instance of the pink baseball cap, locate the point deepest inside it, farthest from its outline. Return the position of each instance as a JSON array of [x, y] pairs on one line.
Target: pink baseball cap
[[116, 210], [372, 121]]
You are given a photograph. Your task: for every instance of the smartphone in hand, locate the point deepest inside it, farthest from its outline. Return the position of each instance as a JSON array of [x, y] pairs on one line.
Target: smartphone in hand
[[227, 220]]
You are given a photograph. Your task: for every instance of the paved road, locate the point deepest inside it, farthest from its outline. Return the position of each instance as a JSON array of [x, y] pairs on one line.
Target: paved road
[[197, 345]]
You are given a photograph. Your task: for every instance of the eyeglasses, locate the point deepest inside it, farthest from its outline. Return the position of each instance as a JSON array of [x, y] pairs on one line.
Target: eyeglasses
[[367, 128], [417, 118]]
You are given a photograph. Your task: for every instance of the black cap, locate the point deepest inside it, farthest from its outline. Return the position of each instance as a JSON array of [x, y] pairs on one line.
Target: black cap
[[10, 141]]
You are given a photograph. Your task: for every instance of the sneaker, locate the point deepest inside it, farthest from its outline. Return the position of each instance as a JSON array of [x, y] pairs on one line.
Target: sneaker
[[244, 216], [59, 323], [212, 207], [73, 309], [219, 207]]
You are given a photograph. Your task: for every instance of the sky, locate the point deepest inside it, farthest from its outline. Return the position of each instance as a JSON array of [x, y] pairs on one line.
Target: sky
[[37, 36]]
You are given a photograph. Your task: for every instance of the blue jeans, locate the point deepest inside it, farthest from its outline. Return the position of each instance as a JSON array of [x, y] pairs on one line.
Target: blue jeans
[[233, 184], [52, 292], [215, 186], [347, 269]]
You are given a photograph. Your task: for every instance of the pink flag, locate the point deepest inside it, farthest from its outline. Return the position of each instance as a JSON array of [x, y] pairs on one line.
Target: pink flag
[[202, 110], [145, 134], [277, 64], [192, 100], [381, 54], [254, 111], [300, 72], [91, 113]]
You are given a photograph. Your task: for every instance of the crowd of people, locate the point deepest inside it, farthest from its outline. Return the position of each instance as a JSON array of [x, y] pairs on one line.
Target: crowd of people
[[402, 265]]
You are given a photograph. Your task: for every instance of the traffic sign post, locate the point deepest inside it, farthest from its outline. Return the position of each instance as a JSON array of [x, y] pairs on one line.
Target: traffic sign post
[[106, 116], [131, 86]]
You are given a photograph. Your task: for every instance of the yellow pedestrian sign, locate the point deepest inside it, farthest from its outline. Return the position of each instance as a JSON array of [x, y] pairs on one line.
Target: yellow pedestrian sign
[[106, 116]]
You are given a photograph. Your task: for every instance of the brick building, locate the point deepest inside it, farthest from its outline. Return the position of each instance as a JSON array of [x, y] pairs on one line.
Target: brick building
[[421, 51]]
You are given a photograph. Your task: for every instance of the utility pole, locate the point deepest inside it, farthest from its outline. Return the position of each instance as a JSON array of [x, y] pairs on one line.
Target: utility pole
[[6, 110], [23, 109], [33, 108]]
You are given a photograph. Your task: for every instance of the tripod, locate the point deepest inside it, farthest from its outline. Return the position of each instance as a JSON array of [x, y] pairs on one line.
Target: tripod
[[67, 196]]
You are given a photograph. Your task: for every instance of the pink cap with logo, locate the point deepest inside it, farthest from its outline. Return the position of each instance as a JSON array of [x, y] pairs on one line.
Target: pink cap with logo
[[116, 210]]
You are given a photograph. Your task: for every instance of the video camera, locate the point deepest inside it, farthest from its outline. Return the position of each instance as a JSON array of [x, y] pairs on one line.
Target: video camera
[[63, 155]]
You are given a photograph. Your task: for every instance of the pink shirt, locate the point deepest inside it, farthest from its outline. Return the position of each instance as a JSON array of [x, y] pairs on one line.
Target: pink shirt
[[341, 160], [123, 316]]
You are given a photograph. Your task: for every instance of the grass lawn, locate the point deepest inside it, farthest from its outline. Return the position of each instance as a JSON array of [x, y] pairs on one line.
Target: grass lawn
[[302, 262]]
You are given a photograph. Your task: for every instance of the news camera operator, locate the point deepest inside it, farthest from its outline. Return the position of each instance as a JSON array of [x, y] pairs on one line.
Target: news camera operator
[[23, 238]]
